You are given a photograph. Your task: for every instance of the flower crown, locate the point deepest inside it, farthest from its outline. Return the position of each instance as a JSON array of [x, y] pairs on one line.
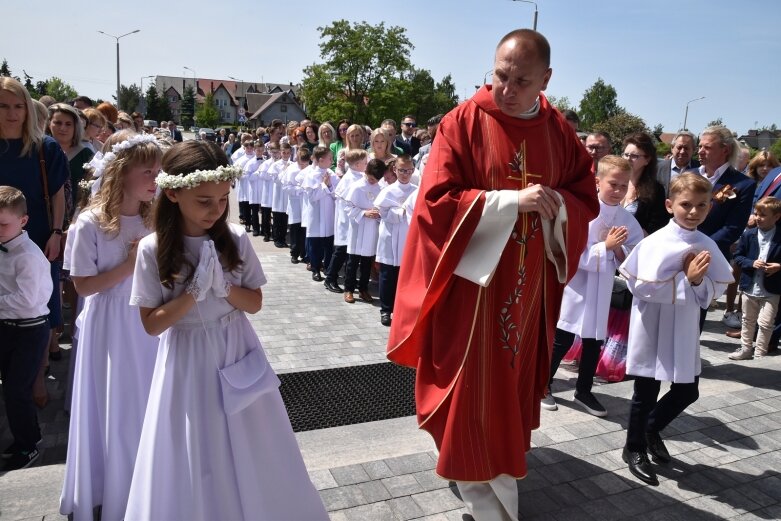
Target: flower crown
[[193, 179], [86, 184], [100, 161]]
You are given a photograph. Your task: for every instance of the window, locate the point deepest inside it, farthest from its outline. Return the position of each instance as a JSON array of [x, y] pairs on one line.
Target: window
[[283, 108], [173, 99]]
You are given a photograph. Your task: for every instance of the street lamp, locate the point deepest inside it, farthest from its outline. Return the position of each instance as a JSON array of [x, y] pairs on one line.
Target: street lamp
[[686, 115], [143, 96], [535, 10], [194, 80], [241, 82], [117, 39]]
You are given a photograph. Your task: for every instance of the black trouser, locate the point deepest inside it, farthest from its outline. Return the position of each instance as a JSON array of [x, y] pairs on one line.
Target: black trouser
[[254, 221], [320, 251], [389, 277], [279, 227], [337, 261], [244, 213], [648, 415], [589, 358], [297, 238], [265, 221], [21, 352], [354, 264]]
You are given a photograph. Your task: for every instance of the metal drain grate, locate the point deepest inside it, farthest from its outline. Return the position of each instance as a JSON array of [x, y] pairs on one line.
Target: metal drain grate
[[348, 395]]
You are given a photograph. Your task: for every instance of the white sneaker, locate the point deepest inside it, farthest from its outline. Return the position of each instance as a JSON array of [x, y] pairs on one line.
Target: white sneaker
[[731, 319]]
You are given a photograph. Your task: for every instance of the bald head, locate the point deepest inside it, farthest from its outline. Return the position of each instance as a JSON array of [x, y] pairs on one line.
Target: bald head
[[528, 41]]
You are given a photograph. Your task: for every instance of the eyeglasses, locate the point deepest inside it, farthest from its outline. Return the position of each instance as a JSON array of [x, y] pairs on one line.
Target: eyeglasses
[[95, 125], [632, 157], [413, 125], [595, 148], [405, 171]]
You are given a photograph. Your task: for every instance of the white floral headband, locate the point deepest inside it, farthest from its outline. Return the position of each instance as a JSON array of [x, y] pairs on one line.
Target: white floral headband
[[193, 179], [86, 184], [100, 161]]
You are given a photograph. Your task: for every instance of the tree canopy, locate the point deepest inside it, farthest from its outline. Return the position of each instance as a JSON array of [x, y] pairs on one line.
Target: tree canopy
[[599, 103], [129, 97], [619, 126], [207, 115], [188, 107], [367, 76]]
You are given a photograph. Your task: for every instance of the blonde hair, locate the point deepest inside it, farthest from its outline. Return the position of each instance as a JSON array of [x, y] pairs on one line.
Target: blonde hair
[[12, 199], [770, 204], [763, 158], [381, 132], [41, 114], [325, 126], [690, 182], [107, 201], [726, 138], [354, 155], [611, 162], [31, 136], [351, 129]]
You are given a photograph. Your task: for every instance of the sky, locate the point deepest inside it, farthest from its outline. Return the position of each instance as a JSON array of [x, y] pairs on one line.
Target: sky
[[658, 55]]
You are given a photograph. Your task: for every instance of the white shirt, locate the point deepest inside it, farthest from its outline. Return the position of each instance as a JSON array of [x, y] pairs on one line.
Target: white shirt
[[363, 233], [393, 222], [321, 201], [293, 191], [718, 173], [341, 220], [586, 300], [757, 288], [25, 279], [266, 183], [253, 181], [242, 188], [278, 197]]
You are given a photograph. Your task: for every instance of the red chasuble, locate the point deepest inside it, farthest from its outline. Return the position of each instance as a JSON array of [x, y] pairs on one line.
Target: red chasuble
[[482, 354]]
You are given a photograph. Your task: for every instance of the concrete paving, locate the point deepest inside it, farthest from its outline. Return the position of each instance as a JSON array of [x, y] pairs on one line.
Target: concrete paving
[[725, 446]]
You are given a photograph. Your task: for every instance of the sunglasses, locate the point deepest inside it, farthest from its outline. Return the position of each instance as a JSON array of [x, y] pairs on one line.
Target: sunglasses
[[413, 125]]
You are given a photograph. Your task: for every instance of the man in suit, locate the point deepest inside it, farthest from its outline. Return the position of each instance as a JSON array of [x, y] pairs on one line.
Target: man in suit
[[733, 192], [176, 135], [682, 149], [407, 140]]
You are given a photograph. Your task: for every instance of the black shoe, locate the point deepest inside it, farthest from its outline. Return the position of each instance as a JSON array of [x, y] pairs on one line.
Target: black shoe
[[385, 319], [21, 460], [640, 466], [255, 234], [13, 448], [247, 228], [281, 244], [589, 402], [332, 286], [294, 260], [316, 276], [266, 239], [656, 447]]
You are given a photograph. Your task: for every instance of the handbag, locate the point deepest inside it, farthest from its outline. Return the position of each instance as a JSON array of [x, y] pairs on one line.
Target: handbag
[[245, 381], [48, 202], [621, 298]]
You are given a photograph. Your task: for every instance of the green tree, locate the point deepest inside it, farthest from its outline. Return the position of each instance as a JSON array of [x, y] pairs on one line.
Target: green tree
[[599, 103], [5, 70], [658, 131], [776, 149], [619, 126], [718, 122], [40, 88], [562, 103], [662, 149], [153, 103], [129, 97], [187, 107], [28, 84], [207, 114], [59, 90], [366, 76]]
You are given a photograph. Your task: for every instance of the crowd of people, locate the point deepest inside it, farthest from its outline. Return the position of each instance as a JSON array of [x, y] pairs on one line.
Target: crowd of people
[[175, 411]]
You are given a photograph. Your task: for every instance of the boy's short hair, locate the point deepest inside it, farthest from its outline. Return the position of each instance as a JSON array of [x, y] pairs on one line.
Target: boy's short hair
[[612, 162], [12, 199], [376, 168], [320, 152], [354, 155], [273, 146], [285, 146], [304, 154], [690, 182], [405, 158], [771, 204]]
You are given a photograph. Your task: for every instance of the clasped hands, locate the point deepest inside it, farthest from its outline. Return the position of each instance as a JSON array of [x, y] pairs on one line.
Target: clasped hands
[[539, 198], [208, 275], [770, 268]]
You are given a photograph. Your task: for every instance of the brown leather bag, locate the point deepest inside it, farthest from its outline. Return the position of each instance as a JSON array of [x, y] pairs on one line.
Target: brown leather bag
[[48, 202]]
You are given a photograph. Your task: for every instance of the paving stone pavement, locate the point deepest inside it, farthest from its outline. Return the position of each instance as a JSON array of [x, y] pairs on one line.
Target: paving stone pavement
[[726, 445]]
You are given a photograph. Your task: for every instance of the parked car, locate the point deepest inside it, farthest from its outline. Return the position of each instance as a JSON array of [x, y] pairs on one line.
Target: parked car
[[180, 128], [151, 123], [211, 135]]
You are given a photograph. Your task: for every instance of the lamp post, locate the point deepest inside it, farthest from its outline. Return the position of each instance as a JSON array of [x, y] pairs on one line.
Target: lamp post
[[686, 115], [535, 10], [195, 87], [241, 82], [143, 96], [117, 39]]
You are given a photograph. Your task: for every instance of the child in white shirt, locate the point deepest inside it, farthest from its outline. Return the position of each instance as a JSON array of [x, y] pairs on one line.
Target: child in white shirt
[[294, 192], [278, 197], [319, 183]]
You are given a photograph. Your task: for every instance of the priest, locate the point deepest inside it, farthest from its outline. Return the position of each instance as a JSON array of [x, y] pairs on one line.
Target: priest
[[499, 224]]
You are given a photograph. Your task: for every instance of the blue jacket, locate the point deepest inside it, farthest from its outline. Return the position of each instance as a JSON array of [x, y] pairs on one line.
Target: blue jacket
[[765, 184], [727, 220], [748, 252]]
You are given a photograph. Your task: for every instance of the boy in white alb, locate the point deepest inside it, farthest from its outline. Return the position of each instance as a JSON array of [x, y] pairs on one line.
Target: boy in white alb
[[25, 288], [278, 197], [356, 162], [250, 173], [292, 188], [363, 232], [673, 274], [319, 183], [586, 300], [243, 188], [393, 233], [267, 189]]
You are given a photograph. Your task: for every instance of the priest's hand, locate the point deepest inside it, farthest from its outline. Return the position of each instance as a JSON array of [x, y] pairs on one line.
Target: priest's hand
[[541, 199], [695, 266], [616, 238]]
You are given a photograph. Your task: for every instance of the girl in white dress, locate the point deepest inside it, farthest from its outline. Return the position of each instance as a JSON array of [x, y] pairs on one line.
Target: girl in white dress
[[116, 357], [217, 442]]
